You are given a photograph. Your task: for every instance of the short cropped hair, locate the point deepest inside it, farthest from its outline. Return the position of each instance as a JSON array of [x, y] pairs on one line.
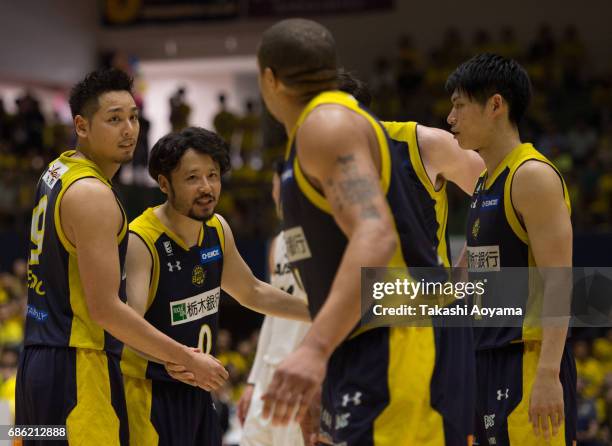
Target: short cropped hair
[[487, 74], [301, 53], [168, 151], [84, 95]]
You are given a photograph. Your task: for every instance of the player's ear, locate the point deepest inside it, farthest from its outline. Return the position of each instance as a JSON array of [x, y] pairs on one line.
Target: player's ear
[[269, 78], [81, 125], [496, 103], [164, 184]]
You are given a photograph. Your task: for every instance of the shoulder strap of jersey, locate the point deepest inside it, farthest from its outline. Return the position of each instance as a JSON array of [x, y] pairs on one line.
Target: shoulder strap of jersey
[[215, 223], [348, 101], [78, 169], [526, 153], [144, 227]]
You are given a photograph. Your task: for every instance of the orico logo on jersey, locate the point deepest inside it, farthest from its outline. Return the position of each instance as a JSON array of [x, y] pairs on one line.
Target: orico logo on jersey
[[210, 255], [490, 203]]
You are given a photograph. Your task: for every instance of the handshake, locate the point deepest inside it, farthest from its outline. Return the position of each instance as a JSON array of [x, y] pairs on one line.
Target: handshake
[[200, 369]]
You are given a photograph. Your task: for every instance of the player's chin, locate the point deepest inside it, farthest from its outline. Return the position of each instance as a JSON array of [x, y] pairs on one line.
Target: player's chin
[[201, 215], [125, 156]]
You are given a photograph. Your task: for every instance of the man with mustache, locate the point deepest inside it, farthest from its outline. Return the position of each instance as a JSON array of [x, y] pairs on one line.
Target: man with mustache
[[181, 254]]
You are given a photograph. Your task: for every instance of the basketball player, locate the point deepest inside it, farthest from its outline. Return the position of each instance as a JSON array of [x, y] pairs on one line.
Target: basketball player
[[347, 204], [180, 255], [76, 320], [432, 157], [278, 338], [519, 217]]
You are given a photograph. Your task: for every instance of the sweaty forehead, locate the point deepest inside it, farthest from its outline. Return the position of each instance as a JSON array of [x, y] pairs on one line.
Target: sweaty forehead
[[116, 100], [194, 160]]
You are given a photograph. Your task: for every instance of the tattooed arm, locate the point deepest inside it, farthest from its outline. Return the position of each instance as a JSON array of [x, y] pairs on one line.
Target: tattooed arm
[[337, 148], [338, 152]]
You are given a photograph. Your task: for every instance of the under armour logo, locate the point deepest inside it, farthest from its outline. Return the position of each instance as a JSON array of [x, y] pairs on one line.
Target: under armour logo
[[171, 267], [356, 399], [489, 421], [501, 394]]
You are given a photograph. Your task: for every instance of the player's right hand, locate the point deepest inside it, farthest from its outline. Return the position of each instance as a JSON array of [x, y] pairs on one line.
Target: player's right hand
[[245, 402], [208, 372]]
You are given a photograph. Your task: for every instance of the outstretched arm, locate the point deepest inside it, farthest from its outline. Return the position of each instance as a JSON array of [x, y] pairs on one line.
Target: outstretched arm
[[442, 155], [238, 280]]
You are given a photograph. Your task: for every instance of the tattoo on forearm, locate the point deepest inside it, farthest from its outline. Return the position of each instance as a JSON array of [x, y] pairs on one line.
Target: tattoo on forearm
[[354, 188]]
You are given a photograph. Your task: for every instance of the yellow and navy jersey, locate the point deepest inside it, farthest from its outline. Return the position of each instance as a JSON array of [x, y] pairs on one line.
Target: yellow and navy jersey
[[433, 202], [57, 312], [315, 243], [496, 239], [184, 292]]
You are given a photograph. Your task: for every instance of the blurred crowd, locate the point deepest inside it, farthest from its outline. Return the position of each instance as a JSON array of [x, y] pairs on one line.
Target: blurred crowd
[[594, 367], [13, 298], [28, 140], [569, 120]]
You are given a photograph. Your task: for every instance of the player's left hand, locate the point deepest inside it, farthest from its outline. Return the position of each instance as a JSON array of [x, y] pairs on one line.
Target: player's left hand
[[295, 382], [180, 373], [546, 407]]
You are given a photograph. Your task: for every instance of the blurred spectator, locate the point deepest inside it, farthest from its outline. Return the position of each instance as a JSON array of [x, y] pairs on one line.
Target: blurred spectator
[[482, 42], [409, 70], [5, 122], [179, 111], [249, 136], [587, 425], [581, 140], [588, 368], [508, 46], [602, 351], [572, 57], [544, 46], [9, 358], [550, 139], [141, 152], [57, 136], [452, 50], [235, 364], [224, 121], [386, 103]]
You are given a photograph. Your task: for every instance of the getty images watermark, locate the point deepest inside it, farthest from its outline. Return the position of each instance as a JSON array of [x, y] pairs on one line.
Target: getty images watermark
[[507, 297]]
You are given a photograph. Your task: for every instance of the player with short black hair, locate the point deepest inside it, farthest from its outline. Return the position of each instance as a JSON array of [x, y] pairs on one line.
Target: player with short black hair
[[519, 216]]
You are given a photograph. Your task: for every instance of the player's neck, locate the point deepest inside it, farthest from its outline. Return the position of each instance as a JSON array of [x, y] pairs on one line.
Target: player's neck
[[108, 168], [291, 113], [186, 228], [501, 144]]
